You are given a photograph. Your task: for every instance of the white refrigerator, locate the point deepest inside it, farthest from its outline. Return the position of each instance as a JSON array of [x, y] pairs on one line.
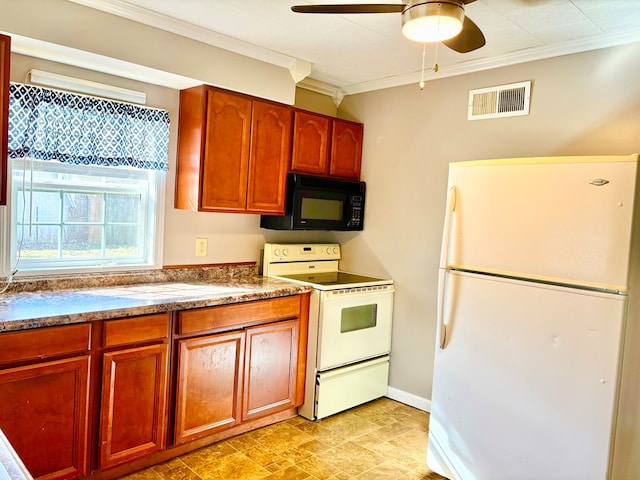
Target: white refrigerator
[[537, 363]]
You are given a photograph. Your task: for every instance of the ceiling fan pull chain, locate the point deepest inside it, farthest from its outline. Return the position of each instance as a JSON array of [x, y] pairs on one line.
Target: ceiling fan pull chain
[[424, 50], [435, 62]]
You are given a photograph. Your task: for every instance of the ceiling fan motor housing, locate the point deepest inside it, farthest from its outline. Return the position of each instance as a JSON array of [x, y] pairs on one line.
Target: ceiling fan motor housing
[[425, 21]]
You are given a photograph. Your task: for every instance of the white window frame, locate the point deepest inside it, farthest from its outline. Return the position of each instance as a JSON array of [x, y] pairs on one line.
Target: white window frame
[[155, 210]]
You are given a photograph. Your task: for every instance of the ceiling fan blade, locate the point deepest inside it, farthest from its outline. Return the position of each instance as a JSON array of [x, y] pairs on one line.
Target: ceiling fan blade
[[469, 39], [351, 8], [467, 2]]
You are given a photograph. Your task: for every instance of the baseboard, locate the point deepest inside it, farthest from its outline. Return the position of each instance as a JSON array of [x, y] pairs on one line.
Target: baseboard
[[410, 399]]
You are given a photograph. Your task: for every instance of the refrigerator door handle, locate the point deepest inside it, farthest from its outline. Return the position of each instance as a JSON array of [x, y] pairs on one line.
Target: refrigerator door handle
[[446, 234], [440, 308], [444, 265]]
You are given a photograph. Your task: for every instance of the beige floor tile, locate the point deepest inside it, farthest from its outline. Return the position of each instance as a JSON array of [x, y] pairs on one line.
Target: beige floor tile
[[202, 457], [236, 466], [351, 458], [388, 470], [380, 440]]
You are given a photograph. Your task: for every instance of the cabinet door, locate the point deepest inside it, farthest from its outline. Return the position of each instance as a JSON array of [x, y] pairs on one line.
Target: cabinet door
[[226, 152], [269, 157], [346, 149], [310, 143], [44, 414], [208, 385], [5, 58], [270, 369], [134, 404]]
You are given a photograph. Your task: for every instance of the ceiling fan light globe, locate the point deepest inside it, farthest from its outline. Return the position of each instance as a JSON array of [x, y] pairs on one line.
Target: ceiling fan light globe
[[432, 22]]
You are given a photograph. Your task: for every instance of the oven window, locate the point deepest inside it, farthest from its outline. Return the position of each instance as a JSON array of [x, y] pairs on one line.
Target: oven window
[[321, 209], [358, 318]]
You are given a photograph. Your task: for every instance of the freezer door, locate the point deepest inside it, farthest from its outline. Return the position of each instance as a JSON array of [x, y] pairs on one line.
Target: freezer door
[[524, 387], [566, 219]]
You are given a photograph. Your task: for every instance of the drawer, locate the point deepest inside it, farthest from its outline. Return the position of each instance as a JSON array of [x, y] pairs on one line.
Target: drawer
[[43, 343], [144, 328], [238, 314]]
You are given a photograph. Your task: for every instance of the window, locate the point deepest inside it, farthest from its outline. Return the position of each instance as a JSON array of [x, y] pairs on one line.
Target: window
[[87, 182], [68, 216]]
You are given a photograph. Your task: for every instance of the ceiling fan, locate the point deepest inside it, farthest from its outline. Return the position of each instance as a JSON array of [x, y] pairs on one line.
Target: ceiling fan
[[422, 20]]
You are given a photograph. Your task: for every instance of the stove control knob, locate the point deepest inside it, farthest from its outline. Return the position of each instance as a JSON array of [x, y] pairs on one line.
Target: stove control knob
[[276, 252], [285, 252], [328, 250], [335, 250]]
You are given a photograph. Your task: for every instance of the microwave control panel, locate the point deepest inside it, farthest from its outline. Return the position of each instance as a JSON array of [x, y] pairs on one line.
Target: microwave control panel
[[356, 211]]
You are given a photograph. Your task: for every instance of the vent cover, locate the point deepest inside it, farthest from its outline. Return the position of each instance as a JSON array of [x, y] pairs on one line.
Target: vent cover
[[501, 101]]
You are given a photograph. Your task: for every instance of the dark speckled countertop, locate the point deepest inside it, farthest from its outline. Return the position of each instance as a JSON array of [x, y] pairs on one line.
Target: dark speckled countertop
[[24, 309]]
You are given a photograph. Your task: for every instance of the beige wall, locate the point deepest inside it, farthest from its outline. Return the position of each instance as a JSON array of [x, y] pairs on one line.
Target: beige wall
[[315, 102], [580, 104], [74, 26]]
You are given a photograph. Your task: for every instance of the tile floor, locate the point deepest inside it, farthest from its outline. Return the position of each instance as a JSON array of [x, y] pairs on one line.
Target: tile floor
[[380, 440]]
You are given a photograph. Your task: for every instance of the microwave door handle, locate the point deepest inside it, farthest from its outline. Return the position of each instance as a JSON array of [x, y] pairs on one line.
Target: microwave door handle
[[444, 266]]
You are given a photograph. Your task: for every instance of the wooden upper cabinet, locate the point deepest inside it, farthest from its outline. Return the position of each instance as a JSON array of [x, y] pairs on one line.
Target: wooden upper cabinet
[[233, 152], [226, 152], [310, 143], [346, 149], [326, 146], [5, 61], [269, 157]]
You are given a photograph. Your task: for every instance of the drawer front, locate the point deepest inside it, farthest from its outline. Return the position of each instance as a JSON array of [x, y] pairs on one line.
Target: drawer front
[[238, 314], [41, 343], [144, 328]]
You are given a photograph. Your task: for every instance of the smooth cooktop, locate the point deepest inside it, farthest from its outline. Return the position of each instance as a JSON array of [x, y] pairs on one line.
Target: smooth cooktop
[[335, 278]]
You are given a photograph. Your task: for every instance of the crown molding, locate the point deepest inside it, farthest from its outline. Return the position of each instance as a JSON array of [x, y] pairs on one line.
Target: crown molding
[[189, 30], [318, 86], [529, 55]]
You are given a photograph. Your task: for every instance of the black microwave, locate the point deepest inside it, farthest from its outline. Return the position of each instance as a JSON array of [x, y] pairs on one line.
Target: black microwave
[[319, 203]]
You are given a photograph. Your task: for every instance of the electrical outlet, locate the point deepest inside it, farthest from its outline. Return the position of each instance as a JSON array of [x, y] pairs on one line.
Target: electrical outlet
[[201, 247]]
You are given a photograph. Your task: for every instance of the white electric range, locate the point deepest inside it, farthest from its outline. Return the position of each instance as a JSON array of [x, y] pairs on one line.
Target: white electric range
[[350, 319]]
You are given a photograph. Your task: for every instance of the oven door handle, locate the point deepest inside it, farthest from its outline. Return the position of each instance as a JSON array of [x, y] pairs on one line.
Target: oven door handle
[[444, 265]]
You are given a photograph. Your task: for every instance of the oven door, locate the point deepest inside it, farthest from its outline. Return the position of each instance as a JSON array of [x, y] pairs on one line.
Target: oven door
[[354, 325]]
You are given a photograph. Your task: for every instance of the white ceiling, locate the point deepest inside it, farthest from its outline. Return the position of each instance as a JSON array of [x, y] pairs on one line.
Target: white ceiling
[[357, 53]]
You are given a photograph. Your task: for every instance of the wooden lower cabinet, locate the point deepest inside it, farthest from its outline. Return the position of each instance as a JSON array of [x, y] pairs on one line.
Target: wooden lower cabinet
[[208, 397], [44, 411], [134, 404], [103, 399], [270, 369], [234, 378]]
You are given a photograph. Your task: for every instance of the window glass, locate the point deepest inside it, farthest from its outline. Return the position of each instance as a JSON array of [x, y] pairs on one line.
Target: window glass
[[65, 216]]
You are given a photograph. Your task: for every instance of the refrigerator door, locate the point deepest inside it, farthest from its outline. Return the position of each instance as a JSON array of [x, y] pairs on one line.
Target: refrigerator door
[[525, 386], [566, 219]]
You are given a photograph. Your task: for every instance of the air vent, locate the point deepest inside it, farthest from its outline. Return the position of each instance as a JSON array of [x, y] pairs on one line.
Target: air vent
[[501, 101]]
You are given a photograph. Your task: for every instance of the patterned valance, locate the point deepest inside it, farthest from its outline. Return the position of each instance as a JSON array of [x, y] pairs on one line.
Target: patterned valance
[[49, 124]]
